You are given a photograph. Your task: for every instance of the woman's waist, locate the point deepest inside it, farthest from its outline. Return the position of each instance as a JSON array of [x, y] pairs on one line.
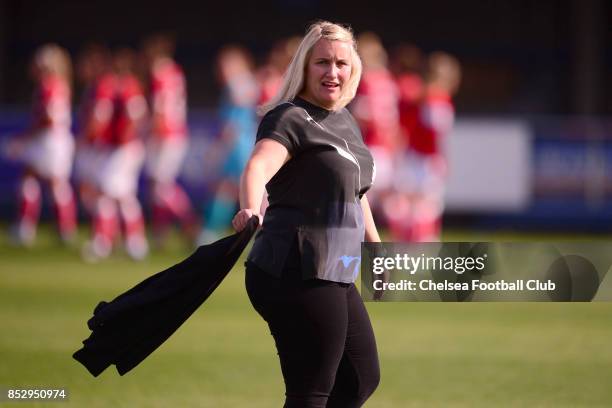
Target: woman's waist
[[325, 215]]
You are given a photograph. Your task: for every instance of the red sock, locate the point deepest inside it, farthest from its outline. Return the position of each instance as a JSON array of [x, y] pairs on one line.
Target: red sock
[[105, 222], [427, 230], [398, 212], [175, 202], [65, 207], [183, 209], [135, 240], [131, 213], [29, 208], [162, 217]]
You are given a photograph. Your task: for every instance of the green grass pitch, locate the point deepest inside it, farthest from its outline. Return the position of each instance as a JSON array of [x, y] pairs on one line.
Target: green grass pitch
[[432, 354]]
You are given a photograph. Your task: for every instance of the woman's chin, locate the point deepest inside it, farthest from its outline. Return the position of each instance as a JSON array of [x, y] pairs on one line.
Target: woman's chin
[[329, 100]]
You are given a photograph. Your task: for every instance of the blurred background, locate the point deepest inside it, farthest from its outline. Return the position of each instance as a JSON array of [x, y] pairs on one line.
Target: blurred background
[[530, 147], [120, 121]]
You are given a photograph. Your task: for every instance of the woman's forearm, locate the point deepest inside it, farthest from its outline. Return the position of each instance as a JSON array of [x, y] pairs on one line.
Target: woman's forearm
[[252, 185], [266, 159]]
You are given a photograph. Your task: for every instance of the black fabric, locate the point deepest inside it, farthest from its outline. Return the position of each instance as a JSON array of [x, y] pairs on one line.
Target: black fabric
[[323, 335], [130, 327], [314, 198]]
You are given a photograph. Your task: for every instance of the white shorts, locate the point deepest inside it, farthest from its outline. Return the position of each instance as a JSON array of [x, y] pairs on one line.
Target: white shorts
[[419, 174], [120, 168], [87, 164], [165, 158], [51, 153]]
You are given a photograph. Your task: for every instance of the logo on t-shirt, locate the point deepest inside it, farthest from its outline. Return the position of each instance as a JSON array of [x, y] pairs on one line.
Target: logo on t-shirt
[[347, 260]]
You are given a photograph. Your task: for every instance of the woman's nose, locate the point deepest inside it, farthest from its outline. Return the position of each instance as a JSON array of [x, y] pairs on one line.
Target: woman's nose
[[332, 70]]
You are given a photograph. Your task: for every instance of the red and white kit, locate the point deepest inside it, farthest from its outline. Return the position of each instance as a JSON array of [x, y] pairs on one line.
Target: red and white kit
[[120, 106], [376, 108], [50, 151], [119, 110], [166, 148], [433, 121], [94, 109], [167, 143], [422, 173]]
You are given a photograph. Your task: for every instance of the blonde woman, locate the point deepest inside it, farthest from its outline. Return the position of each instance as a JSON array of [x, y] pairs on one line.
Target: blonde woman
[[47, 147], [310, 158]]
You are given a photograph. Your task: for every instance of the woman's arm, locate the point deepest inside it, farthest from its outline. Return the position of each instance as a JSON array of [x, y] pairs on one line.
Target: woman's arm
[[371, 233], [267, 157]]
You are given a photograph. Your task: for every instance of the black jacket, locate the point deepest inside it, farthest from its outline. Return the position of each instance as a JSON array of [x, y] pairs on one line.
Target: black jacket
[[130, 327]]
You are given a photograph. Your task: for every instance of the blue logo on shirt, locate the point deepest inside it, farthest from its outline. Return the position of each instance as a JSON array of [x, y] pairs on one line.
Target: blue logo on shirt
[[347, 260]]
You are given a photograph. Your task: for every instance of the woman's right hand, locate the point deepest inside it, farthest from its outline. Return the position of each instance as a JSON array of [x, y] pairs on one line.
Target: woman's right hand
[[242, 217]]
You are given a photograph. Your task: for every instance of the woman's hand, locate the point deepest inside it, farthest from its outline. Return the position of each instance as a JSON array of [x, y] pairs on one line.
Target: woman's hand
[[242, 217]]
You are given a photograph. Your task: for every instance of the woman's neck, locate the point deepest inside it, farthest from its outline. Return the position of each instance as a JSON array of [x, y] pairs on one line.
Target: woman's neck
[[311, 101]]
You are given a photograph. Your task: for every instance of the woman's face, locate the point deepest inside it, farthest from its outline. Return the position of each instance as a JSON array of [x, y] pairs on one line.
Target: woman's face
[[327, 72]]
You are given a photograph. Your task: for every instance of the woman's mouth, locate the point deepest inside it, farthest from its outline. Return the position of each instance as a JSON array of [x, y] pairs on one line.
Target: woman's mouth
[[330, 84]]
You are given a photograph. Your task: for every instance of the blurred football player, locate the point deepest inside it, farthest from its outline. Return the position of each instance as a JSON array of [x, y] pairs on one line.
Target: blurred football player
[[47, 147], [376, 109], [270, 75], [423, 173], [92, 65], [167, 141], [238, 125], [119, 112]]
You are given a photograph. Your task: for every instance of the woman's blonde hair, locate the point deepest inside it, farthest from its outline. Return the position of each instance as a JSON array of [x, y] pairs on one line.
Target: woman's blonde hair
[[444, 70], [53, 59], [293, 79]]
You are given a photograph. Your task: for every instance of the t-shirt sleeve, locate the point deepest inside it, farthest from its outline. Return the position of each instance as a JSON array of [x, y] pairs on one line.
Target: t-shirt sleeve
[[280, 124]]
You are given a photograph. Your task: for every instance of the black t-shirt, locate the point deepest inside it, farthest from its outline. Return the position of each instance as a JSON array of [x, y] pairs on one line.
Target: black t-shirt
[[314, 222]]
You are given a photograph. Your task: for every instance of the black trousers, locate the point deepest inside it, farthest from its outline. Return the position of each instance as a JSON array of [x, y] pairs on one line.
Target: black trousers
[[324, 339]]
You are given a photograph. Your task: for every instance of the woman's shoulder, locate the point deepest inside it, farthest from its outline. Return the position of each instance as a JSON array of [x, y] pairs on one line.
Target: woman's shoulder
[[346, 113], [286, 111]]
